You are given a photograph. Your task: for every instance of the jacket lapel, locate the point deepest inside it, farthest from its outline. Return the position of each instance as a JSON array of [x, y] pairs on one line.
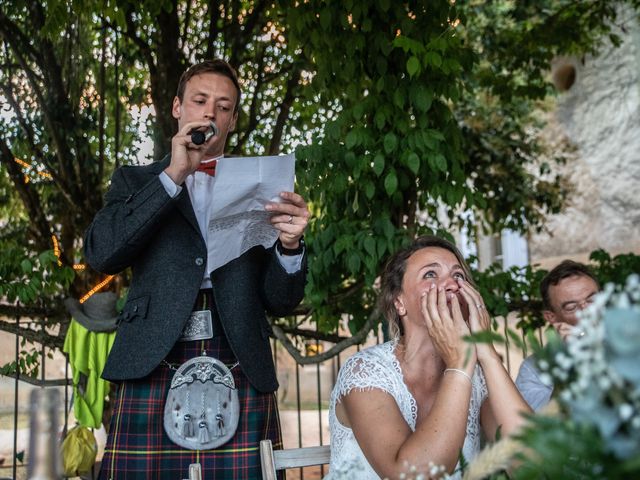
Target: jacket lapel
[[183, 202]]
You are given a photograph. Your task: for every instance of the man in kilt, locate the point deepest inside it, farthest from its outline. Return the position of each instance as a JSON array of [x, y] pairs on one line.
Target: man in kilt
[[154, 221]]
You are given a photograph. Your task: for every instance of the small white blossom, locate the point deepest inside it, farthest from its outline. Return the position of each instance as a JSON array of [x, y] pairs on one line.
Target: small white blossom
[[625, 411], [633, 282], [564, 361], [604, 383], [566, 396], [546, 379]]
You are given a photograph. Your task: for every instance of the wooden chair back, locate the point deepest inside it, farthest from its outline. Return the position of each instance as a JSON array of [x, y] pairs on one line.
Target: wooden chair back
[[274, 460]]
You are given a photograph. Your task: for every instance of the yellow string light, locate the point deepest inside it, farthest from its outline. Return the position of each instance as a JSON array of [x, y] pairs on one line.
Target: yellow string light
[[24, 164], [96, 288], [56, 249], [77, 267]]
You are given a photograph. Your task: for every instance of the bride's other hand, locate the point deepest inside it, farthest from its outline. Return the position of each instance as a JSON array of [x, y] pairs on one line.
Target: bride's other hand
[[479, 318]]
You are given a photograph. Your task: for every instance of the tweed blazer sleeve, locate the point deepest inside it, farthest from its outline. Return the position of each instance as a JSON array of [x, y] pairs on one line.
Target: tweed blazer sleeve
[[135, 207]]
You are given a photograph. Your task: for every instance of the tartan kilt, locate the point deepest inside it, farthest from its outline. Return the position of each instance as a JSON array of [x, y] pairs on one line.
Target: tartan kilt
[[138, 447]]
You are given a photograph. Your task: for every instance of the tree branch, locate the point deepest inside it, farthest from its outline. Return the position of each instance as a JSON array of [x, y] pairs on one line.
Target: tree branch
[[312, 334], [34, 336], [356, 339], [283, 115]]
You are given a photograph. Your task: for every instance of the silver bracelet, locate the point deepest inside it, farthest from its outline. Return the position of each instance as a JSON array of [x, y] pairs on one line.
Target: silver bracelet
[[461, 372]]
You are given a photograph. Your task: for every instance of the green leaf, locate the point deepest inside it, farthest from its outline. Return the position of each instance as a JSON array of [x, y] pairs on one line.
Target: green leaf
[[26, 266], [350, 159], [354, 262], [369, 190], [413, 66], [325, 19], [441, 162], [433, 58], [391, 183], [379, 119], [413, 162], [423, 99], [351, 139], [378, 164], [398, 98], [390, 142], [370, 246]]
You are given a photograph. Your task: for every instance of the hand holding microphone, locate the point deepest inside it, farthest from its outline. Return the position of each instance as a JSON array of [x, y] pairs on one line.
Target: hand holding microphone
[[198, 137]]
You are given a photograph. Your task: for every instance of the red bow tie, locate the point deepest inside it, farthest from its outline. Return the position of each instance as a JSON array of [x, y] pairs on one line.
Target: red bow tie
[[209, 168]]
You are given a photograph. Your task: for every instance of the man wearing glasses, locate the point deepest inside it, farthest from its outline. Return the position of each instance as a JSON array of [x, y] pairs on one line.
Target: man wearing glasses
[[567, 289]]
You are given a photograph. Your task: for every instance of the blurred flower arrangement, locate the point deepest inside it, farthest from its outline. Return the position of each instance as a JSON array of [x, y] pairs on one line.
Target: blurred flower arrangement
[[594, 432]]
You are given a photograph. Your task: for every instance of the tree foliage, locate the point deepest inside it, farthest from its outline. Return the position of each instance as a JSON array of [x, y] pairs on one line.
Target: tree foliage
[[407, 117]]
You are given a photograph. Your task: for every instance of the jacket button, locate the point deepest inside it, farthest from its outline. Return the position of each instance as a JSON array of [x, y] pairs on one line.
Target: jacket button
[[199, 261]]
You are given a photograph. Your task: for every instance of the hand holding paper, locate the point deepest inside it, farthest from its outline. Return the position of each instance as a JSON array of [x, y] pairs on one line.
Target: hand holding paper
[[254, 204], [290, 218]]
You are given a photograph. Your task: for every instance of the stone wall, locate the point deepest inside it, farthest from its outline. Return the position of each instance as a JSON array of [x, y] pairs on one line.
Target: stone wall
[[599, 113]]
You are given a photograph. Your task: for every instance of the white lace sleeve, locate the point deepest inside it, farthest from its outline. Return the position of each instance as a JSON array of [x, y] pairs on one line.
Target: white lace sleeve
[[376, 368], [363, 372]]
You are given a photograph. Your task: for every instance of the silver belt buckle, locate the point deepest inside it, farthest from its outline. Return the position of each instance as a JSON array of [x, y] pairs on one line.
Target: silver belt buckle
[[198, 327]]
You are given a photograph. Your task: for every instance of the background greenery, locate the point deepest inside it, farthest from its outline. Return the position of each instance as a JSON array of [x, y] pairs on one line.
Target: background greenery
[[406, 117]]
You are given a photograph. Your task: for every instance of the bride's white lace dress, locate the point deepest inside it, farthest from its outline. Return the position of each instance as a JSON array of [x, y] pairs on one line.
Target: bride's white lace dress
[[378, 367]]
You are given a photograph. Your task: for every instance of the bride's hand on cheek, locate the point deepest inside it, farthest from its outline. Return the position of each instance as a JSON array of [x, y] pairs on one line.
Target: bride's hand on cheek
[[479, 319]]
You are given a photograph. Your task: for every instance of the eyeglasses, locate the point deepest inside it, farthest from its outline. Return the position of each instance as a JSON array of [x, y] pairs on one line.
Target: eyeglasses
[[573, 307]]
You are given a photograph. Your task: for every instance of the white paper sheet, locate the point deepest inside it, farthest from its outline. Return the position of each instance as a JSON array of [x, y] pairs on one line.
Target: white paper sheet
[[238, 220]]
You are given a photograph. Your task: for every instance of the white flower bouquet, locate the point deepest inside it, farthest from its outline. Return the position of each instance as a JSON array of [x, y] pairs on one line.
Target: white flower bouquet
[[592, 428]]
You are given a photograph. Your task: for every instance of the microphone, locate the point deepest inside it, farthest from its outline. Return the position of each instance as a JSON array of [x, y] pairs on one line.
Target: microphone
[[198, 137]]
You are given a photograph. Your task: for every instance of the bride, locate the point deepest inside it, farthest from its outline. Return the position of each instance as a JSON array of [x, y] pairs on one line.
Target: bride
[[420, 399]]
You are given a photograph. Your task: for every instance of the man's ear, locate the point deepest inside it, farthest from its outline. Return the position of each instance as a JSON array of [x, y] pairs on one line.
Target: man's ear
[[175, 109], [551, 318], [232, 124]]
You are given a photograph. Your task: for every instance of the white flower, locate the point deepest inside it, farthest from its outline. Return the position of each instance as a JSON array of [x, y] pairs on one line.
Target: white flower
[[565, 396], [633, 282], [604, 383], [564, 361], [546, 379], [625, 411]]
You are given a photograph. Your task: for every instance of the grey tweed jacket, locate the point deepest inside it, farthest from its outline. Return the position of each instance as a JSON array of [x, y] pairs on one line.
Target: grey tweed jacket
[[141, 227]]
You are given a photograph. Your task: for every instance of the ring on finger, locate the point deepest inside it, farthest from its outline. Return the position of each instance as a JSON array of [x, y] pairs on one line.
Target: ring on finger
[[290, 219], [479, 306]]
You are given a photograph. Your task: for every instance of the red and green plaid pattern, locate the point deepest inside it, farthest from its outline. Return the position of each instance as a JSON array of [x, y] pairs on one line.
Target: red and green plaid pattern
[[137, 446]]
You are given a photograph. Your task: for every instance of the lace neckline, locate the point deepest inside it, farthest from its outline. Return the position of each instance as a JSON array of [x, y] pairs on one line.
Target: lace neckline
[[393, 345]]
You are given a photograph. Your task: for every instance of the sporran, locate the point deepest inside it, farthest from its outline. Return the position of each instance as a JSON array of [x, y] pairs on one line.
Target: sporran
[[202, 408]]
